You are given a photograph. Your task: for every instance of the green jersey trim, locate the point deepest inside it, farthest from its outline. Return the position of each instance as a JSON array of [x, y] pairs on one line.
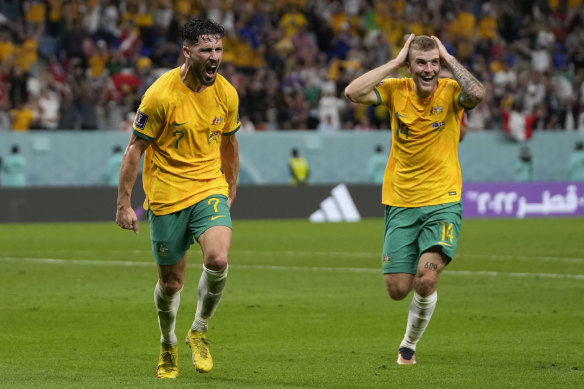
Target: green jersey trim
[[459, 103], [378, 96], [143, 136], [232, 132]]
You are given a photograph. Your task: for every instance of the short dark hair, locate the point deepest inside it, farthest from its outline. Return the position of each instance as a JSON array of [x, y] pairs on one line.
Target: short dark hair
[[15, 149], [579, 145], [195, 28]]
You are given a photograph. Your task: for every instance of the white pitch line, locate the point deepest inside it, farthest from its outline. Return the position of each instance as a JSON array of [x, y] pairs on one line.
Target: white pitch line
[[56, 261], [335, 254], [524, 258], [377, 254]]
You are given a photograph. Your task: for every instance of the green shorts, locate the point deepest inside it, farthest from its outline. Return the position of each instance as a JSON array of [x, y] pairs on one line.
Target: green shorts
[[172, 235], [409, 232]]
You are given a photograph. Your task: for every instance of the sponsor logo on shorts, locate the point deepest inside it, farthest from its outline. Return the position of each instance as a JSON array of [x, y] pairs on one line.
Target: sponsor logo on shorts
[[216, 217]]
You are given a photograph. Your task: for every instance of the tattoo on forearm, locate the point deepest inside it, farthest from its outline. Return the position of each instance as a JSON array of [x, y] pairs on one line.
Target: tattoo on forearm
[[431, 266], [471, 88]]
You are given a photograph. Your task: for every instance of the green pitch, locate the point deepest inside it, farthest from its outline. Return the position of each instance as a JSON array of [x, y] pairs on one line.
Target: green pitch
[[304, 306]]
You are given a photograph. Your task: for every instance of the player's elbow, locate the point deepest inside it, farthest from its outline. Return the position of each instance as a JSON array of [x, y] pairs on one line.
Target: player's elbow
[[480, 93], [477, 95], [351, 94]]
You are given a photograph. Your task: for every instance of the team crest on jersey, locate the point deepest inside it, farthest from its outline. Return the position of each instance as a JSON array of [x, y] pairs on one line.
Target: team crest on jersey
[[140, 121], [217, 121], [437, 109]]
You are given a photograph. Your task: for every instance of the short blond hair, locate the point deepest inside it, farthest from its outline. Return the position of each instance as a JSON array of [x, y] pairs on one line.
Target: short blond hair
[[422, 43]]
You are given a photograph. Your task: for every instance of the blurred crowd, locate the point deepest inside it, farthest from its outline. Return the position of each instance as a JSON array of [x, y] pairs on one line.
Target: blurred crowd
[[84, 64]]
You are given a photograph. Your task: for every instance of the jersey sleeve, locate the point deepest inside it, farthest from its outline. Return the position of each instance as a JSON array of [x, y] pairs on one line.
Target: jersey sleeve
[[149, 120], [383, 90], [232, 123]]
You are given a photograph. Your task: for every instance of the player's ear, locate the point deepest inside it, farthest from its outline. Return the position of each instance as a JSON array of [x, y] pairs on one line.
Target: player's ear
[[408, 68], [186, 52]]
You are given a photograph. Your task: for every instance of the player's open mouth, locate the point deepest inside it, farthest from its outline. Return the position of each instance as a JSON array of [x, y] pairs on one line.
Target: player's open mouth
[[427, 80], [210, 71]]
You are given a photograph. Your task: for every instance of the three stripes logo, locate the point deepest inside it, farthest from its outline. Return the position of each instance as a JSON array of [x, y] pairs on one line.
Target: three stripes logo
[[338, 207]]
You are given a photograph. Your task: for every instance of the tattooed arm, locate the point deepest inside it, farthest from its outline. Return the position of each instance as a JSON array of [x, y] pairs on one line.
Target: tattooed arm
[[472, 91]]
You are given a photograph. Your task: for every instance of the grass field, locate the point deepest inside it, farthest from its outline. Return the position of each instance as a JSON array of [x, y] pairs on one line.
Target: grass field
[[304, 307]]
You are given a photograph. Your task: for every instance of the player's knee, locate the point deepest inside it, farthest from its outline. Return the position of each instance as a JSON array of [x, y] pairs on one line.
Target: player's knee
[[425, 285], [216, 260], [171, 286], [396, 292]]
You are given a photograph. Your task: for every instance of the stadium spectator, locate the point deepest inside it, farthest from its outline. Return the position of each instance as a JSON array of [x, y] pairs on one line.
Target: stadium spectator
[[299, 169], [49, 104], [326, 125], [576, 163], [87, 106], [23, 116], [304, 45], [329, 108], [499, 41], [364, 124], [504, 79], [13, 169], [113, 165], [422, 194], [247, 125], [376, 165], [6, 45], [292, 20], [523, 170], [194, 96], [17, 79], [516, 124]]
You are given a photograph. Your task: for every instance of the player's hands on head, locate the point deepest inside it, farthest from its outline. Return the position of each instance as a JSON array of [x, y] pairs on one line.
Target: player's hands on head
[[444, 54], [402, 57], [127, 219]]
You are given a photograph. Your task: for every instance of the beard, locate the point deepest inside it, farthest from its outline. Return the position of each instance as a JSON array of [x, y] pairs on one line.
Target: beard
[[205, 77]]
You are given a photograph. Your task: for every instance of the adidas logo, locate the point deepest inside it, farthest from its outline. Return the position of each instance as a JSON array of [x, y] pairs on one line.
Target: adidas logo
[[337, 208]]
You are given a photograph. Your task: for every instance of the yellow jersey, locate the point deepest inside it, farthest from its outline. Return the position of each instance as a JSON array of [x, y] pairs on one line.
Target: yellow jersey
[[182, 165], [423, 167]]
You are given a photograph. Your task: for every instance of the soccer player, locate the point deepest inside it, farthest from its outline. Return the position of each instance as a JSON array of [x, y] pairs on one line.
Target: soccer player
[[185, 126], [422, 181]]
